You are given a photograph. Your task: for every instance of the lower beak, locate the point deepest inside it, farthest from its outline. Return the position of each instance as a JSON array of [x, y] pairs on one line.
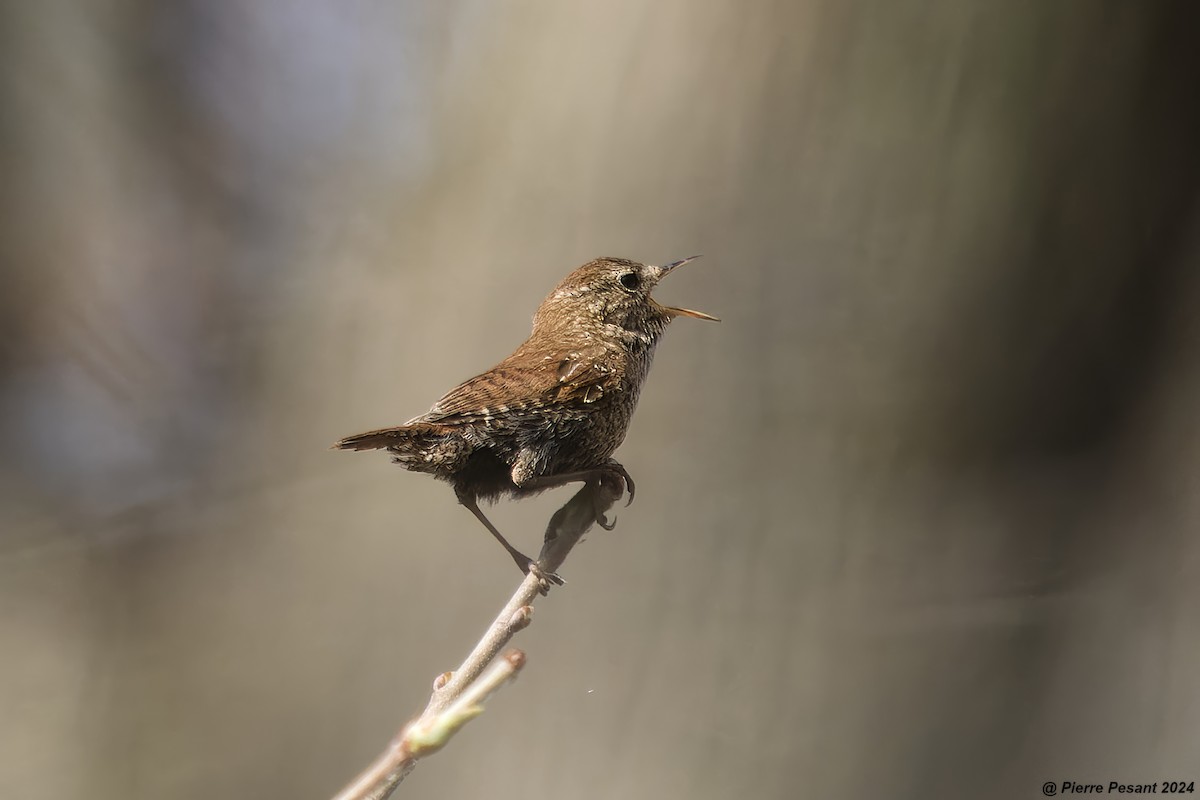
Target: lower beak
[[687, 312]]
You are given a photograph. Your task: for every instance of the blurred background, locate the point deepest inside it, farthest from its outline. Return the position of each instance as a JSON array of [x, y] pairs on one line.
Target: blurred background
[[917, 520]]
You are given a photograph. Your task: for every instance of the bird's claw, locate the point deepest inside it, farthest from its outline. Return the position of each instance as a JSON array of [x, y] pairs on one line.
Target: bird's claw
[[617, 471], [629, 485]]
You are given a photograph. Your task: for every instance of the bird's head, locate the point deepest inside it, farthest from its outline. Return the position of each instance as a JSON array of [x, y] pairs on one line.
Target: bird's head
[[613, 291]]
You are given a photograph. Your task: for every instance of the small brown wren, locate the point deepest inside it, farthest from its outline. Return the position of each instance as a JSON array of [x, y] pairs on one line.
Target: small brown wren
[[554, 411]]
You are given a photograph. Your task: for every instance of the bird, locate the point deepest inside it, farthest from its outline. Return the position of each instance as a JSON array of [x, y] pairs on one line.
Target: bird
[[554, 411]]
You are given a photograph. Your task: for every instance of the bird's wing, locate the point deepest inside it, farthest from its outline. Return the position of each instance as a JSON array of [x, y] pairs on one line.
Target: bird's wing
[[519, 385]]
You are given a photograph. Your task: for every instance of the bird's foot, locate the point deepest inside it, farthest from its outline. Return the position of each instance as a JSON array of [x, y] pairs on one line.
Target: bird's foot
[[620, 479], [545, 577], [616, 472]]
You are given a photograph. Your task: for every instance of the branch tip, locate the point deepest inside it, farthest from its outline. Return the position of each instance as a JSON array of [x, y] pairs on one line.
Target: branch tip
[[515, 659]]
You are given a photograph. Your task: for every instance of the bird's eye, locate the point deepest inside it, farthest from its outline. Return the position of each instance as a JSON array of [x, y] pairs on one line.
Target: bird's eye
[[631, 281]]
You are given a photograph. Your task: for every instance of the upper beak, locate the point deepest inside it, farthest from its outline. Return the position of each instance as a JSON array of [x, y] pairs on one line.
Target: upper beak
[[668, 267], [683, 312]]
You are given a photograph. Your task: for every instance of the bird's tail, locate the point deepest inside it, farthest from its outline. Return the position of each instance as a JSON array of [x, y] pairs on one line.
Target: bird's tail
[[418, 446], [377, 439]]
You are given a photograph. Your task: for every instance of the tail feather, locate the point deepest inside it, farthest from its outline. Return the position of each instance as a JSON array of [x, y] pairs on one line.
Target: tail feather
[[418, 446], [375, 440]]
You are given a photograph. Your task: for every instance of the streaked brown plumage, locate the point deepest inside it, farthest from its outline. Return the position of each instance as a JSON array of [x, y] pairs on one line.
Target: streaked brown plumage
[[554, 411]]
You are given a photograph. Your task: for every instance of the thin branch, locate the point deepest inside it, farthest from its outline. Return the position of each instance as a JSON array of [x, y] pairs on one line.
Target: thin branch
[[457, 696], [429, 733]]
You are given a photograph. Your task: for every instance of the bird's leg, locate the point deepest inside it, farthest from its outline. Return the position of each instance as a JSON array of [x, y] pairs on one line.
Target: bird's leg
[[611, 469], [524, 562]]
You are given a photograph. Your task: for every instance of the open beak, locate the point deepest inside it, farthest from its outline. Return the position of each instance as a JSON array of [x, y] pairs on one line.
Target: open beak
[[683, 312]]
